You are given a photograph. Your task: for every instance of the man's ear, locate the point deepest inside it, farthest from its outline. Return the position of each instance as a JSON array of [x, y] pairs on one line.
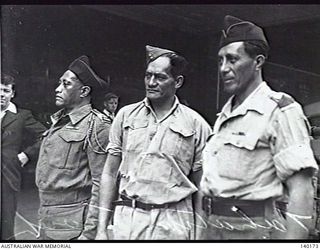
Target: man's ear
[[179, 81], [260, 59], [85, 91]]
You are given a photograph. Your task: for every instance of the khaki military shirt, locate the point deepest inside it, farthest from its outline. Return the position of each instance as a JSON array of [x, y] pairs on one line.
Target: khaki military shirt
[[256, 147], [158, 155], [71, 159]]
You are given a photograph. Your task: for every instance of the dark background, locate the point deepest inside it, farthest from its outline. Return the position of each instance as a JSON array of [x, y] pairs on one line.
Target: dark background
[[40, 41]]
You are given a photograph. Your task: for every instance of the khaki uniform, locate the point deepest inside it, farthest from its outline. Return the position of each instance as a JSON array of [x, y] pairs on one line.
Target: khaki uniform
[[252, 151], [157, 158], [71, 160]]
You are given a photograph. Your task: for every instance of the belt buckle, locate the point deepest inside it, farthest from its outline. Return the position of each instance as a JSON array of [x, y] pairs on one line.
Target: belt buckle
[[152, 206], [207, 205], [133, 203]]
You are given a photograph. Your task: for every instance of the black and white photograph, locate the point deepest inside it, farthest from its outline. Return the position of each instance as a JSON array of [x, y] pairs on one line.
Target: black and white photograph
[[160, 123]]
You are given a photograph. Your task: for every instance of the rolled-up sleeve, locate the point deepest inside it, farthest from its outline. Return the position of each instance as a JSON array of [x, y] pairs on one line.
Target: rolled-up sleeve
[[115, 136], [291, 142]]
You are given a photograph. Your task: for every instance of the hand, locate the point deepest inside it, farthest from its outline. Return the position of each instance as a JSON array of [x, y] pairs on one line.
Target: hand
[[102, 235], [23, 158], [82, 237]]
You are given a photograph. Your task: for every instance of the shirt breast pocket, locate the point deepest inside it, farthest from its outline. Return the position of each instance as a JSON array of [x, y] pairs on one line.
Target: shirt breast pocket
[[135, 135], [242, 140], [238, 155], [179, 142], [69, 152]]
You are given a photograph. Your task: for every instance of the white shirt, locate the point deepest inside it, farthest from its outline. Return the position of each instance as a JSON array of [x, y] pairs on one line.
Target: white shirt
[[11, 107]]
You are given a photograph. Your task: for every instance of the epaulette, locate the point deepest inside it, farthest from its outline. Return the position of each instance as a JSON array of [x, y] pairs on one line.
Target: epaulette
[[101, 116], [282, 101]]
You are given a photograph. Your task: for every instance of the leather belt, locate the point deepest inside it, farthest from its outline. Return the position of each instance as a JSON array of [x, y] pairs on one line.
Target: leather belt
[[234, 207], [138, 204]]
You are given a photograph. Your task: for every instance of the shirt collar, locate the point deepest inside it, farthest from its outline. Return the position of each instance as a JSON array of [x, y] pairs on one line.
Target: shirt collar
[[11, 107], [174, 106], [75, 116], [255, 101], [107, 112]]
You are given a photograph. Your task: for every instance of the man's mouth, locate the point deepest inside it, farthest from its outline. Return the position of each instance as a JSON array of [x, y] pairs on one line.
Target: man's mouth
[[226, 80], [152, 91]]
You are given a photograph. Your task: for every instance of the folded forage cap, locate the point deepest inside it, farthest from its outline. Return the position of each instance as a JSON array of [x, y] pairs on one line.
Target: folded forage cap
[[81, 67], [236, 30], [152, 53]]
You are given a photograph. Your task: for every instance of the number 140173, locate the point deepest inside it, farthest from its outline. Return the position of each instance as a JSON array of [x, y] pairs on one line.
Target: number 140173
[[310, 245]]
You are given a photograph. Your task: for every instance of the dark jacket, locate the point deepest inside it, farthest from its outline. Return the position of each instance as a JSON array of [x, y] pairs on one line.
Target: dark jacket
[[14, 128]]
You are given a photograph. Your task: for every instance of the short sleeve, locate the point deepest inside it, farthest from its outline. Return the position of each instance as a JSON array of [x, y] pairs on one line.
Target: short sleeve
[[290, 141], [203, 131]]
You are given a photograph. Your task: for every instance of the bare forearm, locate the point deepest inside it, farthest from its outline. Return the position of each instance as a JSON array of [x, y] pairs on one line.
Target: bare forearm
[[299, 218], [108, 193], [197, 205], [300, 207]]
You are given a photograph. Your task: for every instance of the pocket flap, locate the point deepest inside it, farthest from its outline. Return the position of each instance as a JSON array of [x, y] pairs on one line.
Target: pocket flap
[[63, 235], [241, 140], [66, 224], [135, 124], [70, 136], [185, 132]]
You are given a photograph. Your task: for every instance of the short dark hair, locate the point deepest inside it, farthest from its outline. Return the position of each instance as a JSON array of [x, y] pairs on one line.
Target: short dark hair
[[178, 64], [7, 80], [254, 48], [109, 96]]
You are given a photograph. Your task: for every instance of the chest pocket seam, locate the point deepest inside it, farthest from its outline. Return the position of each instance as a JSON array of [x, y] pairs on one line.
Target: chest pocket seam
[[71, 154], [248, 142], [182, 146], [71, 136], [181, 130], [135, 124], [129, 127]]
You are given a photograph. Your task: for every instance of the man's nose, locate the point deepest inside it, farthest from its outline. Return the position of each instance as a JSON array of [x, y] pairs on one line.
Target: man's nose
[[152, 81], [224, 67], [58, 89]]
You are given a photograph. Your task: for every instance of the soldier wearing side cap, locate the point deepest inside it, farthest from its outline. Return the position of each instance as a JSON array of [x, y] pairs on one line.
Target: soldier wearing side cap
[[259, 150], [154, 163], [71, 157]]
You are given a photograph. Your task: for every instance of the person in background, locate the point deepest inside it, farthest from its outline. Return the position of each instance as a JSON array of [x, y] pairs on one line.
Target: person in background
[[154, 162], [72, 156], [16, 124], [110, 103], [259, 150]]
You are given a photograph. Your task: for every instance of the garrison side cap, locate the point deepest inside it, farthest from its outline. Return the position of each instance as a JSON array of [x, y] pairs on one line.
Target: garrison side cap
[[237, 30], [152, 53], [81, 67]]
